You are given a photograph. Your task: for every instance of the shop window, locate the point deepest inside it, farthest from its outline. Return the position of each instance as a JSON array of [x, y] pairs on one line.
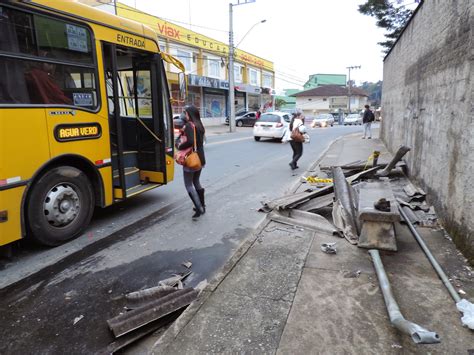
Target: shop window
[[237, 73], [214, 68], [253, 77], [162, 47], [185, 58], [267, 80]]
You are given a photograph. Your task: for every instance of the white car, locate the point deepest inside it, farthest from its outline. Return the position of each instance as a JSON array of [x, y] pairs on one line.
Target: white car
[[323, 120], [353, 119], [271, 125]]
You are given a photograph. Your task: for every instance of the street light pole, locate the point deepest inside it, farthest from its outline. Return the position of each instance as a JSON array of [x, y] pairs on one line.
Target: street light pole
[[231, 64], [350, 83], [231, 72]]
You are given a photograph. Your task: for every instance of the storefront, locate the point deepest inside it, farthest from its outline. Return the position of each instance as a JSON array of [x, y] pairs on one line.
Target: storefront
[[267, 99], [240, 101], [213, 100], [194, 97], [252, 93]]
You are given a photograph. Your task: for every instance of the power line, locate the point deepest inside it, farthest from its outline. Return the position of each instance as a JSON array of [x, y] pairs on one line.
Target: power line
[[163, 18], [283, 74], [286, 77]]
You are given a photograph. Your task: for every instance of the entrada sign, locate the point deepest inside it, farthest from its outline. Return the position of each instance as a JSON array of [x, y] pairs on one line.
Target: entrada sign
[[131, 41]]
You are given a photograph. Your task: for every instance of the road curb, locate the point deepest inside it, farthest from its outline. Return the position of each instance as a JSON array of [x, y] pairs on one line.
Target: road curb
[[296, 185], [166, 338]]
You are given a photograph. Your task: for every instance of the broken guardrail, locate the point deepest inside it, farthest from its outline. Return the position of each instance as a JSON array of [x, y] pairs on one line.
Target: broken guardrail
[[463, 305], [419, 334]]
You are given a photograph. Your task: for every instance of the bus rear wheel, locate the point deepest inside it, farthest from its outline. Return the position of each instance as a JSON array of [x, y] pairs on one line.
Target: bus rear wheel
[[60, 206]]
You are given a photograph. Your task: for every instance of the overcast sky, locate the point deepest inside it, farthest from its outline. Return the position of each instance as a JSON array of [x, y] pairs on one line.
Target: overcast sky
[[301, 37]]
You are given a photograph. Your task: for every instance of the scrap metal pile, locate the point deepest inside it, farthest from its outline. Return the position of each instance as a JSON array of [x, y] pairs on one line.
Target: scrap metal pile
[[365, 203], [148, 310]]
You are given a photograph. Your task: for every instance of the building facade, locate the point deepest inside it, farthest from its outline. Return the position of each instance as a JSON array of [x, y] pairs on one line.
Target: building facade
[[317, 80], [206, 63], [330, 99]]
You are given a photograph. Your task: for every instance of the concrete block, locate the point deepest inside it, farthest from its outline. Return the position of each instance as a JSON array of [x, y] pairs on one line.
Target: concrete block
[[378, 235], [371, 192]]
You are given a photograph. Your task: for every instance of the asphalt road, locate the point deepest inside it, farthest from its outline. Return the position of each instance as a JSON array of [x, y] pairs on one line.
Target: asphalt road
[[37, 315]]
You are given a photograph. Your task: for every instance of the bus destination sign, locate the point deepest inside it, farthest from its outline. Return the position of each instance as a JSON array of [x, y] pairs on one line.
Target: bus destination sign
[[76, 132]]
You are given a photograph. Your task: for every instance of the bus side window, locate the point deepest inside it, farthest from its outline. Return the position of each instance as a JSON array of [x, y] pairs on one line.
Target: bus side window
[[61, 70]]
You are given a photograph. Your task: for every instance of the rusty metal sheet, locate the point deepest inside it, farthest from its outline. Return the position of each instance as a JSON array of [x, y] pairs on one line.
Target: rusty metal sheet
[[157, 309], [317, 203]]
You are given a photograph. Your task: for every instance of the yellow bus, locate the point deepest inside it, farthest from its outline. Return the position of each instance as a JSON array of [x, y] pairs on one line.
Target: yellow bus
[[85, 116]]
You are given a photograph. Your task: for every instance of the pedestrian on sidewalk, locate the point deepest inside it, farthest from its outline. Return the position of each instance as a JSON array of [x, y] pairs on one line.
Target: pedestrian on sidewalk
[[193, 129], [367, 120], [295, 135]]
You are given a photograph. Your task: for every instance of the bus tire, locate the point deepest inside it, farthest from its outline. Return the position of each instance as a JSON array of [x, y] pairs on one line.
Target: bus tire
[[60, 206]]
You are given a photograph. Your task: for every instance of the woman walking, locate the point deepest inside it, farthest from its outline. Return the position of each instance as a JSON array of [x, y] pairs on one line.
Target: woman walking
[[194, 131], [296, 143]]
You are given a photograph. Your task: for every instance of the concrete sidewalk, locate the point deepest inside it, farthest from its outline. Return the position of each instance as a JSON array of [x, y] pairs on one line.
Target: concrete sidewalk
[[281, 294]]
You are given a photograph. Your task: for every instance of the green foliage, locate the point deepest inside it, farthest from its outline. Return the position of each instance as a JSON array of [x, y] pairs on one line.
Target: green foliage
[[391, 15], [374, 90], [279, 103]]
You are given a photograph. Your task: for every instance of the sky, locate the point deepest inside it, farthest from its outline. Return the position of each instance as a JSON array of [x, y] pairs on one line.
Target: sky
[[301, 37]]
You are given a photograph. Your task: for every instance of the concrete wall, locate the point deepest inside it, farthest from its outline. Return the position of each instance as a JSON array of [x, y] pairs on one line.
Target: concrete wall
[[427, 105]]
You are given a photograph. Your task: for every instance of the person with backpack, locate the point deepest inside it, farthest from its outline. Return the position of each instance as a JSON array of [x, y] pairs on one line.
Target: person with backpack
[[296, 138], [367, 120]]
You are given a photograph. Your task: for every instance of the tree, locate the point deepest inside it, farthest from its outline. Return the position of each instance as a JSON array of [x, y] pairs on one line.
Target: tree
[[391, 15], [374, 90], [279, 103]]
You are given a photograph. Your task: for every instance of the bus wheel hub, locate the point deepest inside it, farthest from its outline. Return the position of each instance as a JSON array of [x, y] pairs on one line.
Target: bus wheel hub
[[61, 205]]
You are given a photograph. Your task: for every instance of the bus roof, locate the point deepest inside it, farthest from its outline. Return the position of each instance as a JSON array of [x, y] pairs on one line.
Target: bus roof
[[89, 14]]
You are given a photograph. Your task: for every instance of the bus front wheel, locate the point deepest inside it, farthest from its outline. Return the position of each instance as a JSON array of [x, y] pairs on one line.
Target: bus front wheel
[[60, 206]]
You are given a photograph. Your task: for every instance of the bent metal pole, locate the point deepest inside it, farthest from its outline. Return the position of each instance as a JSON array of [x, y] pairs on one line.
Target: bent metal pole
[[419, 334], [430, 257]]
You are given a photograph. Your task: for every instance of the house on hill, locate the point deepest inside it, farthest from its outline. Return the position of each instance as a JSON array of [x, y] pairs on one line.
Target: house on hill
[[317, 80], [330, 99]]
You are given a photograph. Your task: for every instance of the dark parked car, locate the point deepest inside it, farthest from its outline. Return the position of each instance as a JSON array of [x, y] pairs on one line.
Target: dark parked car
[[247, 119]]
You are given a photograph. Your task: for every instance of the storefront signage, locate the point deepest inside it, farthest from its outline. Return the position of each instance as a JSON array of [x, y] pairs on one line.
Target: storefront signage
[[183, 35], [248, 88], [74, 132], [204, 81]]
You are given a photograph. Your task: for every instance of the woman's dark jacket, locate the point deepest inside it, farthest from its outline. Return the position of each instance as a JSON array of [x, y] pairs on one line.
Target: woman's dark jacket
[[189, 132]]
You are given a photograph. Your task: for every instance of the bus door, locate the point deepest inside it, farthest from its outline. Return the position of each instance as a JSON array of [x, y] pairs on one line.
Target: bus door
[[136, 129]]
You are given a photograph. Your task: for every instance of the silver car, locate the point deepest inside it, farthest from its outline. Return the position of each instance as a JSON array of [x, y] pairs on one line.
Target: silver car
[[353, 119], [271, 125], [323, 120]]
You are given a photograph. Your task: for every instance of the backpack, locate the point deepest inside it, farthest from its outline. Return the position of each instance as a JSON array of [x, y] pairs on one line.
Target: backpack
[[296, 135], [371, 116]]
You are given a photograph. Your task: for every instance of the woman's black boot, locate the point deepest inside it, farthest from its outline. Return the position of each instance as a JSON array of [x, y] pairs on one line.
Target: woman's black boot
[[201, 198], [199, 210]]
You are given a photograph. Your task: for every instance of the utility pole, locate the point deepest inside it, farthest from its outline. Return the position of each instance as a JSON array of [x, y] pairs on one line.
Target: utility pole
[[231, 72], [231, 64], [350, 83]]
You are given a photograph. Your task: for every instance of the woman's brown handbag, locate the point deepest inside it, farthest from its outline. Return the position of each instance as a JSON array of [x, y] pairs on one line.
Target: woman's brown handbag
[[192, 160], [296, 135]]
